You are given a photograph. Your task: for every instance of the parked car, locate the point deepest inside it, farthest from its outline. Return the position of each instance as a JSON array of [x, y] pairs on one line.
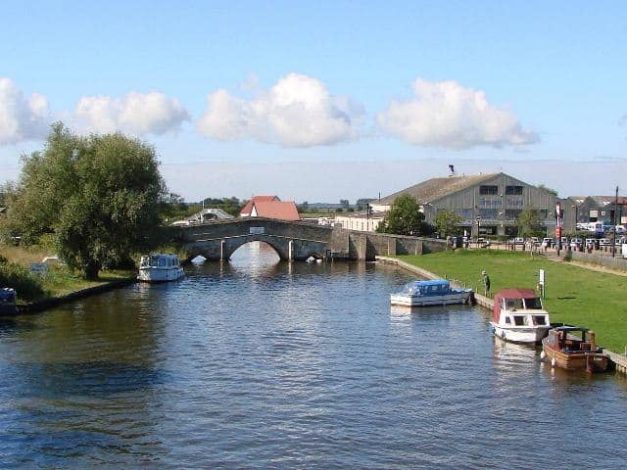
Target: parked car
[[547, 242], [517, 241], [576, 243], [591, 243], [605, 242]]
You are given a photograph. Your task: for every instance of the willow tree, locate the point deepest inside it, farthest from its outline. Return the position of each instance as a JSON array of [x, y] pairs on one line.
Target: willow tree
[[97, 196]]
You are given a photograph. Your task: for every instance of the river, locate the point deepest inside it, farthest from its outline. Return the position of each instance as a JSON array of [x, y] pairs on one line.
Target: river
[[260, 364]]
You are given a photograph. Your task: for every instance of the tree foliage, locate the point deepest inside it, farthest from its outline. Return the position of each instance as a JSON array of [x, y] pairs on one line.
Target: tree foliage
[[404, 218], [447, 222], [530, 224], [97, 195]]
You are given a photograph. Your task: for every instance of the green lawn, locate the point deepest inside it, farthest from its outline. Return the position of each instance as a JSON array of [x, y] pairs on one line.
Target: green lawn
[[574, 295]]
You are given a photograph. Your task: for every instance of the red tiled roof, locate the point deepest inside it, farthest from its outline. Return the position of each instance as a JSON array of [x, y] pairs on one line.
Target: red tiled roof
[[282, 210], [248, 208]]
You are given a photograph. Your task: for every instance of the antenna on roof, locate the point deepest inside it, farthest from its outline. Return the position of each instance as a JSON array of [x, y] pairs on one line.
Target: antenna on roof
[[452, 168]]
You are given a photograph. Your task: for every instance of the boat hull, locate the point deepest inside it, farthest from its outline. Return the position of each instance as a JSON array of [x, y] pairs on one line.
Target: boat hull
[[527, 335], [155, 275], [580, 360], [426, 301]]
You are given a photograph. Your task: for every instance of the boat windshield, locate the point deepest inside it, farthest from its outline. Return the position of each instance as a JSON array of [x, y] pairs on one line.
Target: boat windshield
[[513, 304], [533, 304]]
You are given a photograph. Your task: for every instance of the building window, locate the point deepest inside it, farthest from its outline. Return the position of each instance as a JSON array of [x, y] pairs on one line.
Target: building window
[[514, 202], [543, 213], [512, 213], [488, 189], [514, 190], [488, 213], [490, 203]]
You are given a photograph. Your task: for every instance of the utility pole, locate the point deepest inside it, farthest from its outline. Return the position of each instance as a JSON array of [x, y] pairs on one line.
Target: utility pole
[[614, 223]]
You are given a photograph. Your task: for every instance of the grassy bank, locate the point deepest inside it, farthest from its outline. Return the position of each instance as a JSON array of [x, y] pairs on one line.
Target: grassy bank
[[574, 294], [59, 281]]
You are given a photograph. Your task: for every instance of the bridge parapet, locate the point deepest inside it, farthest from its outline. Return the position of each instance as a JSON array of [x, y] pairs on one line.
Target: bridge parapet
[[297, 240]]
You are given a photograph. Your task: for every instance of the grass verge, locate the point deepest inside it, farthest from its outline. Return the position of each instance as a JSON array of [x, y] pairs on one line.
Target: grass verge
[[59, 281], [574, 295]]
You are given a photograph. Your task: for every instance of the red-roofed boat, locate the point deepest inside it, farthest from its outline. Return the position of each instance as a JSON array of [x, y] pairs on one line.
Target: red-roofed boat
[[519, 316]]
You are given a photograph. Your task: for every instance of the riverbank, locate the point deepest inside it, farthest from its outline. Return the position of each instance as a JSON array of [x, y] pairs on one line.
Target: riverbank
[[50, 302], [55, 283], [574, 294]]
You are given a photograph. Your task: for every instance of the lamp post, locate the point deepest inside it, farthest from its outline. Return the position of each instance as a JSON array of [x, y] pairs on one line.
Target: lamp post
[[614, 223]]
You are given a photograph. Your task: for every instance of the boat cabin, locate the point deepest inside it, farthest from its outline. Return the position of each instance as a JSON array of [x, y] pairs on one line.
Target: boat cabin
[[159, 261], [519, 307], [426, 288]]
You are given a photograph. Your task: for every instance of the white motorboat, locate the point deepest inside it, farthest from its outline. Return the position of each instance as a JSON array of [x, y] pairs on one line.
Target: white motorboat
[[161, 267], [519, 316], [430, 292]]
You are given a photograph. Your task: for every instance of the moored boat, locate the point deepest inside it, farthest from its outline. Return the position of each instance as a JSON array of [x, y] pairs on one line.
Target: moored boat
[[161, 267], [430, 292], [8, 299], [574, 348], [519, 316]]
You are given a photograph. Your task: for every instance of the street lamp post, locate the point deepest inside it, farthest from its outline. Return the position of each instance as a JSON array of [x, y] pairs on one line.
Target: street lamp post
[[614, 222]]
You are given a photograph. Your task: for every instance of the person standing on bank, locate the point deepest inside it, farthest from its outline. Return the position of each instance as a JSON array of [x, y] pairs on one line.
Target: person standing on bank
[[486, 282]]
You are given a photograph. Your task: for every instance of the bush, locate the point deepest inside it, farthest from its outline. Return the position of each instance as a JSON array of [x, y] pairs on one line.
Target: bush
[[15, 276]]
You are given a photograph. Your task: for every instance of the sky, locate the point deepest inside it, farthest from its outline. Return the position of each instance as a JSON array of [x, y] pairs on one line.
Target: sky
[[322, 101]]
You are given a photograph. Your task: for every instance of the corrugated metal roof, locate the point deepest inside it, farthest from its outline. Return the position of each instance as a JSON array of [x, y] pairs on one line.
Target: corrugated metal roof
[[436, 188]]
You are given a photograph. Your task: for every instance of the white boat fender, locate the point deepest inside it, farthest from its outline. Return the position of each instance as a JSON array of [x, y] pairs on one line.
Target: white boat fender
[[553, 362], [542, 356]]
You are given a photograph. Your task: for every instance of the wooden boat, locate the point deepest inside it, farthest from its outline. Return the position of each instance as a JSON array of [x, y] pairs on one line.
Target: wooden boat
[[431, 292], [160, 268], [573, 348], [8, 298], [519, 316]]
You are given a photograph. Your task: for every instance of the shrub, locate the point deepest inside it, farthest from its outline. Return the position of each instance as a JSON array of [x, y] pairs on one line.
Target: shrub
[[15, 276]]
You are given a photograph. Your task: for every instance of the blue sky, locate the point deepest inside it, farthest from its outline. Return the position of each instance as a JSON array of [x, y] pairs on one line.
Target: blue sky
[[320, 101]]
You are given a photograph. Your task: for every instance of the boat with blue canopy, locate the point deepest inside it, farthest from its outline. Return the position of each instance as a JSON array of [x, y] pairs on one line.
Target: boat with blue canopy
[[430, 292]]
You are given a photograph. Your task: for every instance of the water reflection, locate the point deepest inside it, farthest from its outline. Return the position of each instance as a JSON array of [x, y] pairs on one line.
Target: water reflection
[[264, 364]]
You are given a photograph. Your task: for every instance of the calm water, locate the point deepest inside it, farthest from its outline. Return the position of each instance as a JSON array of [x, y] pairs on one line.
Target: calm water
[[263, 365]]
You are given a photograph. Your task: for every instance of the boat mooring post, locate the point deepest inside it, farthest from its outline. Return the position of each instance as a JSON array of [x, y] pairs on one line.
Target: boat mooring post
[[290, 255], [222, 242]]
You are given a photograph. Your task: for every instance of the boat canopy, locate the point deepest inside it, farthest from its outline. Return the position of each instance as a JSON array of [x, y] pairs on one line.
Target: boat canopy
[[7, 295], [428, 287], [516, 299], [159, 261]]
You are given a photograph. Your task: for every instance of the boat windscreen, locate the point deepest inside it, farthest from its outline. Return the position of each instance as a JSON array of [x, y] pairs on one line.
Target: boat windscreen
[[533, 303]]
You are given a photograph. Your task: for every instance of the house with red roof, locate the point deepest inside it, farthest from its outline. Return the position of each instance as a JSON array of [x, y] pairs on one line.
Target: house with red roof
[[271, 207]]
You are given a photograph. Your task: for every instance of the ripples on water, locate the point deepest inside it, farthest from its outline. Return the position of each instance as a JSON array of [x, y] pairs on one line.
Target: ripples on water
[[263, 365]]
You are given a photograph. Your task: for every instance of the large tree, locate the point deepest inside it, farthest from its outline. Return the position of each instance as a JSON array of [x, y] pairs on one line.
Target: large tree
[[405, 218], [530, 224], [98, 196]]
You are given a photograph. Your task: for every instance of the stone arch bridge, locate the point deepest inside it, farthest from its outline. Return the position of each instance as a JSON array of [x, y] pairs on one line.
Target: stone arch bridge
[[295, 241]]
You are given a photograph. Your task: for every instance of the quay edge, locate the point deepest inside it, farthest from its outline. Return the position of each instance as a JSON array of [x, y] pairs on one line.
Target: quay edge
[[618, 360]]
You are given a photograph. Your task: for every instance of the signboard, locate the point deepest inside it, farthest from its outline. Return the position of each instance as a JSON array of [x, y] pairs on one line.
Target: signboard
[[257, 230]]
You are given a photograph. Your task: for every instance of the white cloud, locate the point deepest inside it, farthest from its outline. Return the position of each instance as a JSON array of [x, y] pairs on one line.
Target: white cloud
[[21, 118], [445, 114], [298, 111], [136, 113]]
